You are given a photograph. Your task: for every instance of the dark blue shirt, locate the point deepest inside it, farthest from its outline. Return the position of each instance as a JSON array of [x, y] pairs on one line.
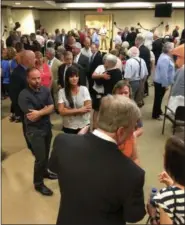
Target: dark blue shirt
[[7, 68], [37, 100]]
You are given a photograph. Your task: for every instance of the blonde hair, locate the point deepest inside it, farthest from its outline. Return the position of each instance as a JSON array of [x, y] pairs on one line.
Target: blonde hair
[[117, 111], [11, 53]]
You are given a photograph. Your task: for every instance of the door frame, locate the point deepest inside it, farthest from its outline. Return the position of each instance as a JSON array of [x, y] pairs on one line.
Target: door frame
[[111, 26]]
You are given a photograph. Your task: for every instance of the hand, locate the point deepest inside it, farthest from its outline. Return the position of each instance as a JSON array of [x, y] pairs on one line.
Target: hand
[[106, 76], [165, 179], [33, 115], [151, 210], [86, 109], [84, 130]]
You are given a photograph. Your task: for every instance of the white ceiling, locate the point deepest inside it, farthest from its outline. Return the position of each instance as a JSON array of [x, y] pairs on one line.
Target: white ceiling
[[53, 5], [35, 4]]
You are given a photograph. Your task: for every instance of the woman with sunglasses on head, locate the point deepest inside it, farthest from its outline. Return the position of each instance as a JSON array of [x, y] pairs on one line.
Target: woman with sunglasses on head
[[74, 103], [129, 148]]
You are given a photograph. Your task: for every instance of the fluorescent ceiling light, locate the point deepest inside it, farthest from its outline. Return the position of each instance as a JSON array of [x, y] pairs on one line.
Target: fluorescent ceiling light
[[117, 5], [30, 6], [17, 3], [85, 5], [133, 5], [178, 4]]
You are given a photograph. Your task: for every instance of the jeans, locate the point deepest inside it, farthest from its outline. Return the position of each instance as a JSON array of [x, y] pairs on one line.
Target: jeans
[[40, 142]]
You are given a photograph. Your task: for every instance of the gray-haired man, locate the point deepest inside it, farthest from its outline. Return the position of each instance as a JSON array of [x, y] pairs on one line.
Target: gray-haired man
[[54, 64], [80, 59], [99, 184]]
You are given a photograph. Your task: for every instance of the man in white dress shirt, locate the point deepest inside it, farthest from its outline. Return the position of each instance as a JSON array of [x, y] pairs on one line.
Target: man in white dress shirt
[[136, 73], [40, 38], [87, 48], [103, 34]]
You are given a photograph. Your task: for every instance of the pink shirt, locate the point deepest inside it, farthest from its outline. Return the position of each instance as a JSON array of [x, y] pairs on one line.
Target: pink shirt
[[45, 74]]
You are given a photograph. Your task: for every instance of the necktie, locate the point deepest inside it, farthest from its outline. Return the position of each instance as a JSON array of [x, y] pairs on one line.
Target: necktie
[[92, 58], [49, 62]]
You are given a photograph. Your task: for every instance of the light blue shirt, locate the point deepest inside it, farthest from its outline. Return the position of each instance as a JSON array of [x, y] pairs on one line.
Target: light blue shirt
[[95, 39], [165, 71]]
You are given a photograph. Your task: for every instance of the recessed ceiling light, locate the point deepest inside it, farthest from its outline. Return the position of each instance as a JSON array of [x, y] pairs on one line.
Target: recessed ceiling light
[[17, 3]]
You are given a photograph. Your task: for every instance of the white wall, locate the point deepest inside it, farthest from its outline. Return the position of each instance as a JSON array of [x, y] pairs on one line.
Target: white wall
[[26, 19], [71, 19], [55, 19]]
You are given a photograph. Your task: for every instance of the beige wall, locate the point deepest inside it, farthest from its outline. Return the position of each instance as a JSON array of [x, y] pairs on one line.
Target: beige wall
[[75, 19]]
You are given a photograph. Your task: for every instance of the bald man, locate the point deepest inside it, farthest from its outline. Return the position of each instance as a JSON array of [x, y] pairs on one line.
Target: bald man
[[18, 83]]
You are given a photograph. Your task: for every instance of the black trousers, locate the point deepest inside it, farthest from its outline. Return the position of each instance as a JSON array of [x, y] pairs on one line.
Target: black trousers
[[40, 142], [15, 107], [5, 89], [159, 92], [146, 88], [70, 131], [25, 133]]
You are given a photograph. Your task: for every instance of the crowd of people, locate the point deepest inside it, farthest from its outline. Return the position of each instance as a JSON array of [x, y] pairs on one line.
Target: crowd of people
[[66, 73]]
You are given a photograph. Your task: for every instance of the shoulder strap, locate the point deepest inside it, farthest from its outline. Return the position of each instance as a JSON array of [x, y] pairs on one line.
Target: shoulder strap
[[139, 61]]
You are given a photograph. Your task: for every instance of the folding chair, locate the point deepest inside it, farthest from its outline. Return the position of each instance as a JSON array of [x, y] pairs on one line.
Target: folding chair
[[177, 118]]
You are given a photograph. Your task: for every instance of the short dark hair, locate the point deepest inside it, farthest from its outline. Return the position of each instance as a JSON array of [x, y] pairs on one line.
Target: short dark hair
[[57, 30], [132, 28], [29, 70], [19, 46], [174, 159]]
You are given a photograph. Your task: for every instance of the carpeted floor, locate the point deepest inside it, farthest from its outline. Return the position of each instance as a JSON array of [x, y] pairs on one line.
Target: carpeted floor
[[22, 205]]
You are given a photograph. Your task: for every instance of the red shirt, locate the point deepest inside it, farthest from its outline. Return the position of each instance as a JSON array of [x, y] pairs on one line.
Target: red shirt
[[45, 74]]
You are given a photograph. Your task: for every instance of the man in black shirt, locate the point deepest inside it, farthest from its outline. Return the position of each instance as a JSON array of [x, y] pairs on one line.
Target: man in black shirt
[[36, 103], [175, 32], [131, 37]]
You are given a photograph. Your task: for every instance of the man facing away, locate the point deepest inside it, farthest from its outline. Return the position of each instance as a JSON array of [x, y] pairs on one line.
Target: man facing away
[[99, 185], [37, 104]]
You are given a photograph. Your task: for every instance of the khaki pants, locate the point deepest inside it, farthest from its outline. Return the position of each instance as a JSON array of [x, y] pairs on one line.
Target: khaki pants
[[103, 42], [140, 94], [138, 91]]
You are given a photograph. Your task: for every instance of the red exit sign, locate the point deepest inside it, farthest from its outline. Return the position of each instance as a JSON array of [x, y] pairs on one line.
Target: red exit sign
[[100, 10]]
